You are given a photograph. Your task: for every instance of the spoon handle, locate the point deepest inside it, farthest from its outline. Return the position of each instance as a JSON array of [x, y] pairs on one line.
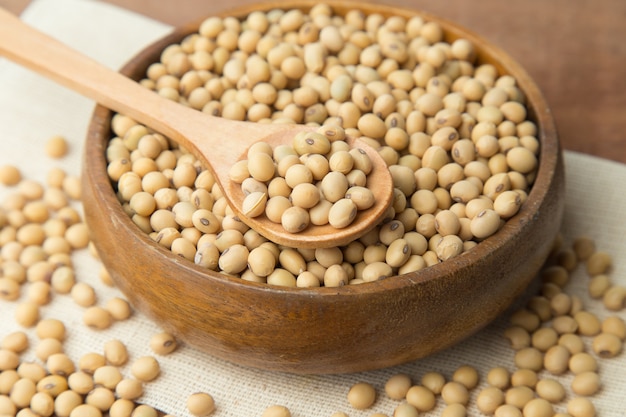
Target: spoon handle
[[198, 132]]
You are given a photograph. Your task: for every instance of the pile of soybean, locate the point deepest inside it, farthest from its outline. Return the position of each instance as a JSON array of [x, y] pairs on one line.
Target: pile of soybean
[[307, 182], [41, 229], [454, 132], [558, 346]]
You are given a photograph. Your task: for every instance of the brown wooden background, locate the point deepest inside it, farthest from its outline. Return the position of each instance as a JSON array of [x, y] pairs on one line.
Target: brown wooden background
[[574, 49]]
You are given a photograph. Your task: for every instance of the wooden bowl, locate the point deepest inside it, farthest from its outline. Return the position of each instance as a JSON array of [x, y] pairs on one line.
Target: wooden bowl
[[329, 330]]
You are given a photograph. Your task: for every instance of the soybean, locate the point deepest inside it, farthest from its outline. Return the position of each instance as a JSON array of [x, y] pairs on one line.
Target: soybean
[[361, 395]]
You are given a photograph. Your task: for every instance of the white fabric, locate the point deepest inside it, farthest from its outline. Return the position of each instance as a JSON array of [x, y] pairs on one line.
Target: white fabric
[[33, 109]]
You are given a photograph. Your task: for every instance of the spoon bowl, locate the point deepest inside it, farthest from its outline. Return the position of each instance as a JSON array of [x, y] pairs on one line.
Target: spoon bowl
[[226, 141]]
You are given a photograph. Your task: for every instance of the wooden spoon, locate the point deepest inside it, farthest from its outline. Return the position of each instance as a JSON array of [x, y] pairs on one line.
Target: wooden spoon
[[216, 141]]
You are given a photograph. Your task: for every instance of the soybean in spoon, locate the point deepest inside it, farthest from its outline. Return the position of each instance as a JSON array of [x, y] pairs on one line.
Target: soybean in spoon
[[217, 142]]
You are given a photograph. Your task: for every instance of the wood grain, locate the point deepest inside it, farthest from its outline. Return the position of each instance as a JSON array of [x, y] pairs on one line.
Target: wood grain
[[575, 51]]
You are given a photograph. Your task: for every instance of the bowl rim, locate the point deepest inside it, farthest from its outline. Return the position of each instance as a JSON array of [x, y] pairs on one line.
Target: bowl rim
[[549, 158]]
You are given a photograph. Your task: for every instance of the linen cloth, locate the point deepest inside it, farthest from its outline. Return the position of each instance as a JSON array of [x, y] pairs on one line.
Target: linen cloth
[[33, 109]]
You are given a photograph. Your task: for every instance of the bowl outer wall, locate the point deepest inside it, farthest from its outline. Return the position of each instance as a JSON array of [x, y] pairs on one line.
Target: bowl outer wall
[[328, 330]]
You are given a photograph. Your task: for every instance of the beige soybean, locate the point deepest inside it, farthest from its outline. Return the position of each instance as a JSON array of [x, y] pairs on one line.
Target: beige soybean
[[498, 377], [305, 195], [42, 404], [455, 392], [27, 313], [529, 358], [586, 383], [334, 186], [614, 298], [234, 259], [397, 386], [434, 381], [80, 382], [83, 294], [556, 360], [508, 410], [101, 398], [567, 258], [584, 247], [60, 364], [599, 285], [524, 377], [564, 324], [39, 292], [200, 404], [86, 410], [538, 407], [91, 361], [50, 328], [486, 223], [144, 410], [22, 392], [7, 407], [361, 395], [9, 289], [614, 325], [107, 376], [582, 362], [544, 338], [276, 411], [489, 399], [342, 213], [8, 360], [118, 308], [526, 319], [581, 407], [607, 345], [454, 410], [404, 410], [588, 323], [145, 368], [16, 341], [129, 389], [572, 342], [335, 276], [52, 384], [115, 352], [466, 375], [97, 318], [295, 219], [66, 401], [7, 380], [519, 396], [121, 408], [541, 307], [361, 196], [598, 263], [163, 343], [261, 167], [10, 175], [421, 398], [518, 337], [550, 390]]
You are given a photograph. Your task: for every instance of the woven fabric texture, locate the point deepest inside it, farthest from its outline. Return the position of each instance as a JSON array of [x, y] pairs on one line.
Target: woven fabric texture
[[33, 109]]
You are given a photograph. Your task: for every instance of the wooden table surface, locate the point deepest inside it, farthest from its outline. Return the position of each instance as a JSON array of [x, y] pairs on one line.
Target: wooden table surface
[[574, 49]]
